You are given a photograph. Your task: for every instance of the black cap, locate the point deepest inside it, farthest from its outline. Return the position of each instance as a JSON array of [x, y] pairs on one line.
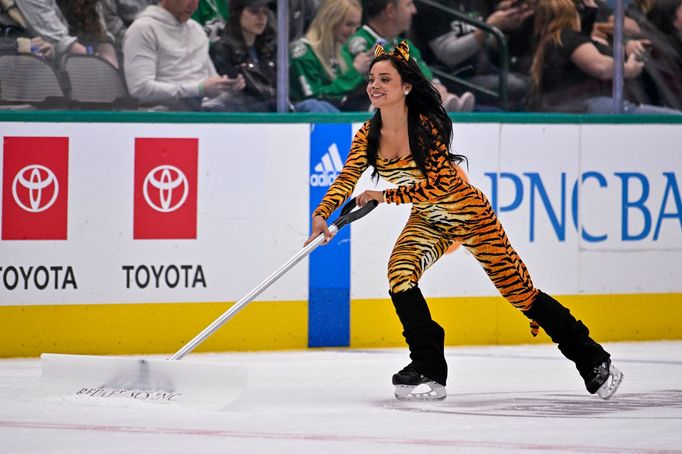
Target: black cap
[[252, 3]]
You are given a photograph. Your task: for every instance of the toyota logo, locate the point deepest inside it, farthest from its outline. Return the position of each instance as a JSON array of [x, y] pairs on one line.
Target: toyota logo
[[38, 181], [168, 180]]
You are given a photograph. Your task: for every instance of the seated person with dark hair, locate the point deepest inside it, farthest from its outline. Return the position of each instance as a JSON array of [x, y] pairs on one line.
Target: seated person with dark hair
[[248, 46], [660, 22]]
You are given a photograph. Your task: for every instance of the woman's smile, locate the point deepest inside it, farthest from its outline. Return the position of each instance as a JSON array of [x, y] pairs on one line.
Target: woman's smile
[[385, 87]]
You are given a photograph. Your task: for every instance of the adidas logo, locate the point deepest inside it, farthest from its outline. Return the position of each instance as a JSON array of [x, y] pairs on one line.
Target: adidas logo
[[326, 171]]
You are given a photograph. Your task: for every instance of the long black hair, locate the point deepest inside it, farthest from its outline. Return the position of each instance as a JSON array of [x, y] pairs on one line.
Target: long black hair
[[422, 100], [662, 16], [264, 43]]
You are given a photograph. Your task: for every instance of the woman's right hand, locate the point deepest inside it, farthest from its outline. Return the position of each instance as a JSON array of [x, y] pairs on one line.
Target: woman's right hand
[[319, 226], [217, 85]]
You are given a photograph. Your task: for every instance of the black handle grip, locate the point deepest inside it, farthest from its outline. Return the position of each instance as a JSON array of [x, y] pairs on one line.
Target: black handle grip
[[348, 215]]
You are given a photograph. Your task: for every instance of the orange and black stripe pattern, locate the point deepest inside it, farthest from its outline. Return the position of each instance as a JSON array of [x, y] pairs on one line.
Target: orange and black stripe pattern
[[445, 208]]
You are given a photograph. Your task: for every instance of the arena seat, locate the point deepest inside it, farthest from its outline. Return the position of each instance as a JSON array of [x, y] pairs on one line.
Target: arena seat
[[29, 80], [95, 84]]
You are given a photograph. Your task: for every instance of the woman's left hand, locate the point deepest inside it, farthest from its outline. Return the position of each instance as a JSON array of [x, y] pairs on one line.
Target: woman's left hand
[[638, 47], [366, 196]]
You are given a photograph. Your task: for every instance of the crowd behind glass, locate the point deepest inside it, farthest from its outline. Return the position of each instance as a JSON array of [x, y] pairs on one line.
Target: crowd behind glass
[[221, 55]]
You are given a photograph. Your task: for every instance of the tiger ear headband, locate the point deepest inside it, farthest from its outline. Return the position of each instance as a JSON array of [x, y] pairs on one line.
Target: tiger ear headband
[[401, 52]]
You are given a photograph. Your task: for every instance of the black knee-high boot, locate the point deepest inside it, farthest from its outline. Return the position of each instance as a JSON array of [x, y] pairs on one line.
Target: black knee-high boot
[[424, 336], [572, 337]]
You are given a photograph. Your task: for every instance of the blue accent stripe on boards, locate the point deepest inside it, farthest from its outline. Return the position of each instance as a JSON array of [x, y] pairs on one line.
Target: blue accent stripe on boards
[[329, 273]]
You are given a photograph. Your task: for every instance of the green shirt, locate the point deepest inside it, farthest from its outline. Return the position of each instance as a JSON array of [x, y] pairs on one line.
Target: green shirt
[[209, 10], [365, 38], [309, 79]]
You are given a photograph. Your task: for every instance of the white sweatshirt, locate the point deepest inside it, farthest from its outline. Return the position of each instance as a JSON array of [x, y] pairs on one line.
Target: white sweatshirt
[[45, 19], [165, 59]]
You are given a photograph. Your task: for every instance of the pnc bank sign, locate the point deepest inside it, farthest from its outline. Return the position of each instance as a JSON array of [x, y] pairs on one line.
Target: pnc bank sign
[[636, 206]]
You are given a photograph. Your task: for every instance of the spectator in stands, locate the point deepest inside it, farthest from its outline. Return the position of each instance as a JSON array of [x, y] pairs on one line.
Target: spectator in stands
[[212, 15], [469, 52], [15, 36], [386, 21], [85, 21], [663, 28], [569, 72], [248, 46], [45, 18], [637, 10], [598, 20], [11, 21], [666, 15], [167, 61], [119, 14], [301, 14], [319, 68]]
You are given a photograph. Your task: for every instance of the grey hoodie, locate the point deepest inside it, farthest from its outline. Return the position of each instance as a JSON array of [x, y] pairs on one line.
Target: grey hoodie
[[45, 19], [165, 60], [119, 14]]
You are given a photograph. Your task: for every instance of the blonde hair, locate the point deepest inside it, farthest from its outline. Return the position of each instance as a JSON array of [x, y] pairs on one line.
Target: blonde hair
[[551, 17], [320, 35]]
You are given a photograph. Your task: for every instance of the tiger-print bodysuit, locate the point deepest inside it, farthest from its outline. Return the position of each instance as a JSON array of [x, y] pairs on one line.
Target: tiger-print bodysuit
[[445, 209]]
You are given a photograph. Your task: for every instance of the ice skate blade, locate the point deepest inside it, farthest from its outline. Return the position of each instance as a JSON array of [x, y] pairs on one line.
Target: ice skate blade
[[424, 391], [611, 384]]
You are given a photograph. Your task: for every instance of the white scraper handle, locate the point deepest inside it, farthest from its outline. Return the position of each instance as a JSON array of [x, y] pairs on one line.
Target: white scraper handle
[[348, 215]]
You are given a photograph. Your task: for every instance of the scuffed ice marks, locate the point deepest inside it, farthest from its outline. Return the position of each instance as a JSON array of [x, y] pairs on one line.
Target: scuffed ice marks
[[553, 405]]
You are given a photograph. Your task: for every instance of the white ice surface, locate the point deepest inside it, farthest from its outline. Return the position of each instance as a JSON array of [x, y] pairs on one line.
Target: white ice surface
[[500, 399]]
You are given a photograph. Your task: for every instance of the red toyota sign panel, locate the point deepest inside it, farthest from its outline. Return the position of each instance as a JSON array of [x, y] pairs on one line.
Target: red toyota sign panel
[[35, 188], [165, 189]]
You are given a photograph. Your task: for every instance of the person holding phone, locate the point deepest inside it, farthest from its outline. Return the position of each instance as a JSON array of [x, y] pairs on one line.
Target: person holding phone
[[167, 62], [471, 54], [571, 71]]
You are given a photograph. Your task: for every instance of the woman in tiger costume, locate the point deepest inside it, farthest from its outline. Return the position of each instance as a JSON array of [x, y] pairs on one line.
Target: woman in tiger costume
[[407, 142]]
